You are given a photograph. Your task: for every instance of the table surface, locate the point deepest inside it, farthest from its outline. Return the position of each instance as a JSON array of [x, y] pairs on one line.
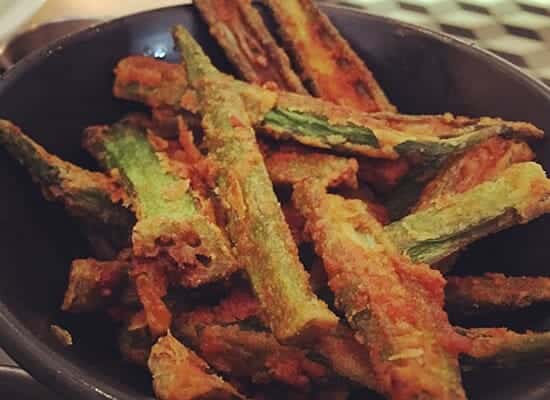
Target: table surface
[[518, 30]]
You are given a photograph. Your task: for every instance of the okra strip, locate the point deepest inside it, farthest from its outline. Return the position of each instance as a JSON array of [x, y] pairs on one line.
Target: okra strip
[[151, 283], [162, 84], [321, 124], [91, 197], [457, 174], [331, 67], [290, 167], [258, 356], [255, 221], [144, 79], [92, 282], [170, 220], [179, 374], [494, 291], [248, 44], [249, 347], [395, 306], [516, 196], [477, 165], [500, 347]]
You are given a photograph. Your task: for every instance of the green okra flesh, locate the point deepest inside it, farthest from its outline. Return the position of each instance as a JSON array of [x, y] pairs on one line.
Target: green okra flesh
[[127, 150], [284, 122], [170, 219], [517, 195]]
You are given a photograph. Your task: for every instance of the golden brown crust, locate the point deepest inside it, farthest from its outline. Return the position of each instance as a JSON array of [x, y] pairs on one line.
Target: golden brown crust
[[255, 220], [93, 282], [151, 284], [342, 353], [494, 291], [395, 306], [328, 62], [179, 374], [442, 126], [258, 356], [240, 30], [479, 164], [291, 167], [146, 79]]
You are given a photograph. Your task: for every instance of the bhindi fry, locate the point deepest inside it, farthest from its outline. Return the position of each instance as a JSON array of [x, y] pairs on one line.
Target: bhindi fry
[[328, 63], [500, 347], [93, 282], [170, 220], [291, 167], [248, 44], [515, 196], [321, 124], [179, 374], [196, 220], [493, 292], [255, 220], [335, 355], [479, 164], [413, 351]]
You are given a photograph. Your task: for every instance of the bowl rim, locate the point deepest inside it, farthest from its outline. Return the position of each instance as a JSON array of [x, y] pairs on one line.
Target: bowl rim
[[58, 372]]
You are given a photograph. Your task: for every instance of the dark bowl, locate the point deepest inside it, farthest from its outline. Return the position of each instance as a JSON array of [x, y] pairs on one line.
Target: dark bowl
[[16, 384], [53, 94]]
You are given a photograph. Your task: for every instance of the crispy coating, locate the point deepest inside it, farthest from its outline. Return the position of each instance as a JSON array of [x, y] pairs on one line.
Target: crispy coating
[[395, 306], [179, 374], [321, 124], [171, 222], [329, 64], [95, 200], [494, 291], [419, 157], [502, 347], [291, 167], [317, 123], [239, 306], [92, 282], [151, 284], [382, 175], [255, 221], [145, 79], [258, 356], [479, 164], [248, 44], [296, 224], [517, 195], [442, 126], [339, 354], [385, 175], [347, 357]]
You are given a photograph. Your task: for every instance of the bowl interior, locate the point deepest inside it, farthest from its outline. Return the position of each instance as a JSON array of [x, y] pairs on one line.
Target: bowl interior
[[55, 93]]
